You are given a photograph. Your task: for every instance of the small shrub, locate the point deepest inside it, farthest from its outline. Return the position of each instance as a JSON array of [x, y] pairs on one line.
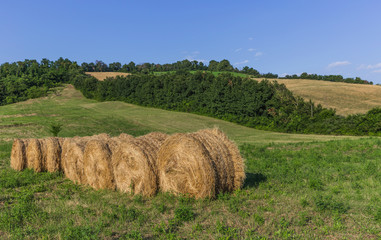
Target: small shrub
[[55, 128]]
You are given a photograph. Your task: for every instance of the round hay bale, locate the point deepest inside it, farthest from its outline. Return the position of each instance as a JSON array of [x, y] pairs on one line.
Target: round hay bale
[[97, 165], [133, 166], [221, 159], [185, 167], [34, 156], [72, 158], [238, 161], [18, 155], [53, 154]]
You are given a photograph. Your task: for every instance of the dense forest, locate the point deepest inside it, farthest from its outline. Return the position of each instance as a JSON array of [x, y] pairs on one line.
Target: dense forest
[[263, 105]]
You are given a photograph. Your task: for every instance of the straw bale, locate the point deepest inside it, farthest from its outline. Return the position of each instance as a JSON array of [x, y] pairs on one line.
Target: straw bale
[[72, 158], [97, 164], [185, 167], [134, 164], [34, 156], [18, 155]]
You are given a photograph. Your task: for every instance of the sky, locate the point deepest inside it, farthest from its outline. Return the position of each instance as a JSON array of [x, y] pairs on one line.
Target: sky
[[283, 37]]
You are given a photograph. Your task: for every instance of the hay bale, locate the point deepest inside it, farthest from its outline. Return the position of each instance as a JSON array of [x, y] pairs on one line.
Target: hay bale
[[238, 161], [18, 155], [185, 167], [97, 164], [34, 157], [72, 158], [201, 164], [134, 164], [53, 154]]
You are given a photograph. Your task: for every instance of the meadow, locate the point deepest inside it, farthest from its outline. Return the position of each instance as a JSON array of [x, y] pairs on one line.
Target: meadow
[[297, 187]]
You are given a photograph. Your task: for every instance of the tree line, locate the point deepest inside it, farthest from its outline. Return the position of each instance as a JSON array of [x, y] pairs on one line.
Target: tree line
[[213, 66], [331, 78], [186, 65]]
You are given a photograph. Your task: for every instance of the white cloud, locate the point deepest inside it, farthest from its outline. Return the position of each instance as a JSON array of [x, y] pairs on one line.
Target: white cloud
[[240, 63], [238, 50], [250, 38], [251, 49], [258, 54], [338, 64], [377, 71], [374, 66]]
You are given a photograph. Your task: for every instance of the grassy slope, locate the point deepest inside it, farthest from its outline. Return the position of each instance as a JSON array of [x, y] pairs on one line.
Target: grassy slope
[[294, 189]]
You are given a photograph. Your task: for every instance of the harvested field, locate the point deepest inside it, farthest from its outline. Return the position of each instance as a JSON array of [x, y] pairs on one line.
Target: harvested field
[[101, 76], [346, 98]]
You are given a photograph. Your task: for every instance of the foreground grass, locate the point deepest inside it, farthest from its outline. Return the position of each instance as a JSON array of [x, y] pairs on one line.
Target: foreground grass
[[318, 190], [297, 187]]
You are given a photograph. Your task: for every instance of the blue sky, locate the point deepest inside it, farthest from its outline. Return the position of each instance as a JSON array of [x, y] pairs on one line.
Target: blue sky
[[283, 37]]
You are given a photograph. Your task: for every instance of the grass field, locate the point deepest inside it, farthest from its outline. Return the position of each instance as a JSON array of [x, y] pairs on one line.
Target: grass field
[[298, 186]]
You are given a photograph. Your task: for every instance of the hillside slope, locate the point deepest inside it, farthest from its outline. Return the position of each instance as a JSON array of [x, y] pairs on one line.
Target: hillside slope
[[346, 98], [81, 116]]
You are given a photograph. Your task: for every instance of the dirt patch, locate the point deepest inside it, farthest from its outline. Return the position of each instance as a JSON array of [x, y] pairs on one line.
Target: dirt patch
[[19, 115], [101, 76], [17, 125]]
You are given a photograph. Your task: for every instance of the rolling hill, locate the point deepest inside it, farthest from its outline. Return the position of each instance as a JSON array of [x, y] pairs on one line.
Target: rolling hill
[[81, 116]]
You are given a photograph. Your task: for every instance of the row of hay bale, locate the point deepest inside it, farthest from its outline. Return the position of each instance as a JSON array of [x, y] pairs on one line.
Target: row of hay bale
[[200, 164]]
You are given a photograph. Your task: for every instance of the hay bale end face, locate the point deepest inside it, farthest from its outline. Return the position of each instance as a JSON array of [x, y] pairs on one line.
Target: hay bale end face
[[97, 165], [133, 170], [185, 167], [18, 155]]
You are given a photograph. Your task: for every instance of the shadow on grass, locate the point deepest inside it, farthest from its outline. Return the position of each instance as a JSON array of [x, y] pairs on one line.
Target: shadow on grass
[[254, 179]]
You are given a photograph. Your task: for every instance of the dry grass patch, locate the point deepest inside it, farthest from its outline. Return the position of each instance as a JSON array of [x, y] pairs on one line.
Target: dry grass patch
[[346, 98], [101, 76]]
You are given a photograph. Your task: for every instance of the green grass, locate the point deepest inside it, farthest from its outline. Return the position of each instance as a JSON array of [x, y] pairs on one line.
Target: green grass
[[297, 187]]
